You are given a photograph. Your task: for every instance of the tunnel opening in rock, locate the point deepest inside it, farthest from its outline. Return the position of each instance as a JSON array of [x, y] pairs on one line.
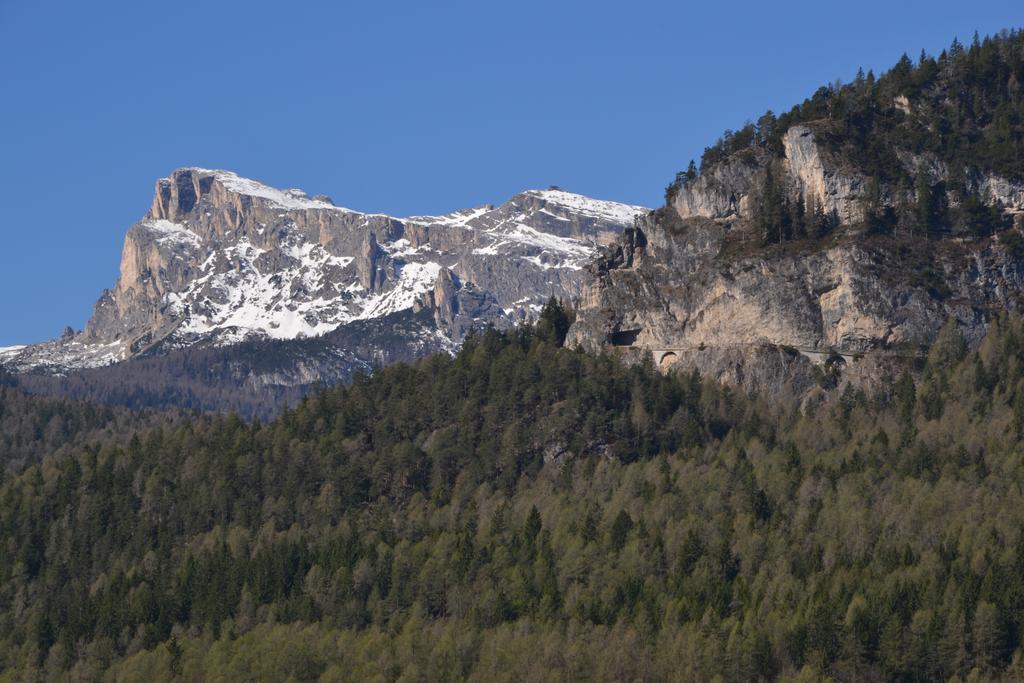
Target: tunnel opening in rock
[[624, 337], [668, 359]]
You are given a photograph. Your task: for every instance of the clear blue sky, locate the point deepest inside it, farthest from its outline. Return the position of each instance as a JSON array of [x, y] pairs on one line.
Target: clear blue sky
[[398, 107]]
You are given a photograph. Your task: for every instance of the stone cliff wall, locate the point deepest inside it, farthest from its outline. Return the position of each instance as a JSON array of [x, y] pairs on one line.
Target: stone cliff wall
[[732, 316]]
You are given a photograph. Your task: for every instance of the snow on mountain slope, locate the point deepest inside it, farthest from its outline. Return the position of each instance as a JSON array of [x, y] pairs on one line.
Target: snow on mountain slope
[[7, 351], [585, 206], [219, 259], [288, 200]]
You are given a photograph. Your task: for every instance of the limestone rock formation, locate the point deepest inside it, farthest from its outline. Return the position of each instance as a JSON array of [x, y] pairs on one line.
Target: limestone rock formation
[[219, 259], [460, 306], [445, 297], [370, 265], [731, 188], [692, 286]]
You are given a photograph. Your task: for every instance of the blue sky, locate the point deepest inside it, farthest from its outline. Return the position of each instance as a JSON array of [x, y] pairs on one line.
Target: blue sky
[[397, 107]]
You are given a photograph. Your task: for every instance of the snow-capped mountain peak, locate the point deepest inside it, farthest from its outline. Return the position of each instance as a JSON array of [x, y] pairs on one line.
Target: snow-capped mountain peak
[[220, 258]]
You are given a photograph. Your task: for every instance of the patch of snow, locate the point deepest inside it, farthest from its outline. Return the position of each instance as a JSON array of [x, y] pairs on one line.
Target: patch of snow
[[554, 215], [289, 200], [414, 280], [540, 263], [402, 248], [458, 219], [524, 234], [595, 208], [564, 252], [61, 355], [279, 303], [169, 232]]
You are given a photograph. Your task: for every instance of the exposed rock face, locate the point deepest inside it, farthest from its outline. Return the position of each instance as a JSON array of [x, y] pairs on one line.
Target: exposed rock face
[[731, 188], [819, 178], [219, 259], [460, 306], [445, 302], [765, 319], [370, 265], [693, 287], [997, 190], [725, 191]]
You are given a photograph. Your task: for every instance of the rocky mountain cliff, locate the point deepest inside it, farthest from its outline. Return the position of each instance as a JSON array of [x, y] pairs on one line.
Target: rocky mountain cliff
[[811, 172], [672, 290], [219, 259], [832, 243]]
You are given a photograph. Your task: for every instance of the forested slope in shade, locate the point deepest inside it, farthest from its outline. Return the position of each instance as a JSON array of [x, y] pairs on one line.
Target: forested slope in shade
[[523, 512], [34, 427], [255, 378]]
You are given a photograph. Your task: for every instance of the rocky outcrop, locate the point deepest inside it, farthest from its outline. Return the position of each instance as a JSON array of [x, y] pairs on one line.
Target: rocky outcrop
[[726, 191], [818, 178], [997, 190], [694, 286], [459, 306], [771, 318], [730, 190], [445, 297], [370, 265]]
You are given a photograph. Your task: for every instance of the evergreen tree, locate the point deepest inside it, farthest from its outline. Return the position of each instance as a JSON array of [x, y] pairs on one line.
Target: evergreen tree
[[772, 212], [554, 322], [799, 219], [928, 205]]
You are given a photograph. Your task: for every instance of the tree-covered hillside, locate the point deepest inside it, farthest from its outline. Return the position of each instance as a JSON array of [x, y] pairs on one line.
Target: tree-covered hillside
[[924, 134], [254, 378], [523, 511], [965, 106], [35, 427]]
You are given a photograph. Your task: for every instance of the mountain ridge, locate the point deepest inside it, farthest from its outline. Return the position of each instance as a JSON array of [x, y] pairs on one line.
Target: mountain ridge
[[219, 259]]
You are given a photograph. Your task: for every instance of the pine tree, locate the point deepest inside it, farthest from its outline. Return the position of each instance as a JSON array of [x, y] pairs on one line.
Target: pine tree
[[799, 220], [926, 209], [554, 322], [533, 524], [817, 223], [988, 636], [771, 212], [621, 527], [872, 203]]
